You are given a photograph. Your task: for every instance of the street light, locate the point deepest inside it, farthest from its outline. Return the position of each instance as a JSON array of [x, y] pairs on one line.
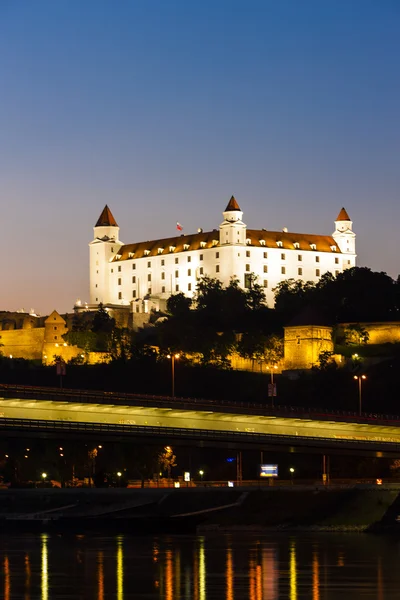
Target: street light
[[44, 477], [360, 379], [201, 473], [173, 357], [272, 383], [291, 471]]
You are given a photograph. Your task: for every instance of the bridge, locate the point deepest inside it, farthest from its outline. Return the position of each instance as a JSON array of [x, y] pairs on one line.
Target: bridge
[[51, 412]]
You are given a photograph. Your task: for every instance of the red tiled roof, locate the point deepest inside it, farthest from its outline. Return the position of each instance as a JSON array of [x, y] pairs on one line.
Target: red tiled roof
[[210, 239], [343, 216], [106, 218], [232, 204]]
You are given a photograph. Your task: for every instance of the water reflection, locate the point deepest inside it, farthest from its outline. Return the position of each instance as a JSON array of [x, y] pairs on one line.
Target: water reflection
[[234, 567], [120, 568], [45, 568]]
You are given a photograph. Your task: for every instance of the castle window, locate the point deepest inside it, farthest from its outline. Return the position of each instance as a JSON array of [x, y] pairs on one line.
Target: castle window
[[333, 248], [247, 267], [186, 246], [202, 244], [119, 295], [112, 249], [163, 289], [248, 241], [189, 259], [313, 246], [265, 269], [217, 255], [336, 273], [201, 257], [55, 337], [97, 272], [119, 280], [299, 271], [247, 253], [133, 266], [96, 285], [265, 254], [160, 250], [162, 262], [133, 293], [134, 279], [146, 252], [189, 272], [189, 287], [176, 273], [177, 288], [148, 264], [201, 271], [149, 277], [317, 272], [119, 269], [348, 262], [217, 269], [171, 248], [215, 242], [262, 242], [97, 299], [112, 270], [296, 245], [336, 260], [149, 290], [283, 256], [177, 261], [317, 259], [163, 275], [299, 257], [283, 270], [131, 254], [298, 340], [265, 283], [55, 328], [279, 244]]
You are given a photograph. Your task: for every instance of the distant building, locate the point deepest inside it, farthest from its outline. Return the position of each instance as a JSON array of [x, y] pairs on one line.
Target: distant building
[[144, 274]]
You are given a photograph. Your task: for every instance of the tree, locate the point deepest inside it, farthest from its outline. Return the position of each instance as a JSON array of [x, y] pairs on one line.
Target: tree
[[167, 460]]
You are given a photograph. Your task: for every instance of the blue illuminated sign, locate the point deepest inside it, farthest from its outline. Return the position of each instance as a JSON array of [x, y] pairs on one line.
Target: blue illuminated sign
[[268, 470]]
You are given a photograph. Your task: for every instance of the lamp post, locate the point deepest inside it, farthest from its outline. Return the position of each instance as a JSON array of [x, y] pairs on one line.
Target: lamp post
[[291, 471], [44, 477], [272, 388], [173, 357], [360, 379], [201, 473]]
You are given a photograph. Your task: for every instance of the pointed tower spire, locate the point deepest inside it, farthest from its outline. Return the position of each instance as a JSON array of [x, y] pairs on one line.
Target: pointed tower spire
[[232, 204], [343, 216], [106, 219]]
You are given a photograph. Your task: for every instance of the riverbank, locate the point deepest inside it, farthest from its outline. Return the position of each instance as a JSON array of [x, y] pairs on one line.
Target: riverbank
[[357, 508]]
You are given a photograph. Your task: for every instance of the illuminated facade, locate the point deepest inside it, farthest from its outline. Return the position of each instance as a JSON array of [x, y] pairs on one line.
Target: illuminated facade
[[143, 275]]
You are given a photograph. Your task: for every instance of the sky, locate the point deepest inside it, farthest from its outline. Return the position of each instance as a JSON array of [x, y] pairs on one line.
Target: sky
[[163, 110]]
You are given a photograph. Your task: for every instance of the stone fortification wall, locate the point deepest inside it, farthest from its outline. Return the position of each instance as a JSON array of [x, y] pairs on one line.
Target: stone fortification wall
[[380, 333], [22, 343]]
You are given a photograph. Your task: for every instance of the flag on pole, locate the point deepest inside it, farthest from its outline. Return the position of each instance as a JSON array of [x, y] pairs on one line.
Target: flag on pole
[[179, 227]]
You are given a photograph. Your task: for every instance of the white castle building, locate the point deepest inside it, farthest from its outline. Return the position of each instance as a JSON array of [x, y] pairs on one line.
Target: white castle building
[[145, 274]]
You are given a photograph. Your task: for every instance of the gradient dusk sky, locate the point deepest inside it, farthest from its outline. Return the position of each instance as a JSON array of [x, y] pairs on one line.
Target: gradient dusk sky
[[164, 109]]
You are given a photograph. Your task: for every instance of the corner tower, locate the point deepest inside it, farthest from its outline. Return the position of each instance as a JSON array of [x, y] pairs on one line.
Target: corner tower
[[102, 249], [232, 230], [344, 235]]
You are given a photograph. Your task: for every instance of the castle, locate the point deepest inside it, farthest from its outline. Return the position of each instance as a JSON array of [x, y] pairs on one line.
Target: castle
[[144, 275]]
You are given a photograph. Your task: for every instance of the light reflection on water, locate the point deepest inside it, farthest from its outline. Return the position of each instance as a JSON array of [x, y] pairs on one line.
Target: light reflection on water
[[225, 567]]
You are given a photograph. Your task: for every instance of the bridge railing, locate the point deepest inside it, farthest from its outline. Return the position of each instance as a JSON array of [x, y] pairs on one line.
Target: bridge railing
[[105, 397]]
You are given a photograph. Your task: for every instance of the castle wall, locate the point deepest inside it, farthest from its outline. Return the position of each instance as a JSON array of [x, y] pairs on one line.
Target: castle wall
[[380, 333], [23, 343]]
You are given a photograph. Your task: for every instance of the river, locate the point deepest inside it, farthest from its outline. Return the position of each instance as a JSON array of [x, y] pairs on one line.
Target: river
[[212, 567]]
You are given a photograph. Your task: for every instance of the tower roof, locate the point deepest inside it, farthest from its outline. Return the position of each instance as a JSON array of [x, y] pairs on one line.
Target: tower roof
[[343, 216], [106, 218], [232, 204]]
